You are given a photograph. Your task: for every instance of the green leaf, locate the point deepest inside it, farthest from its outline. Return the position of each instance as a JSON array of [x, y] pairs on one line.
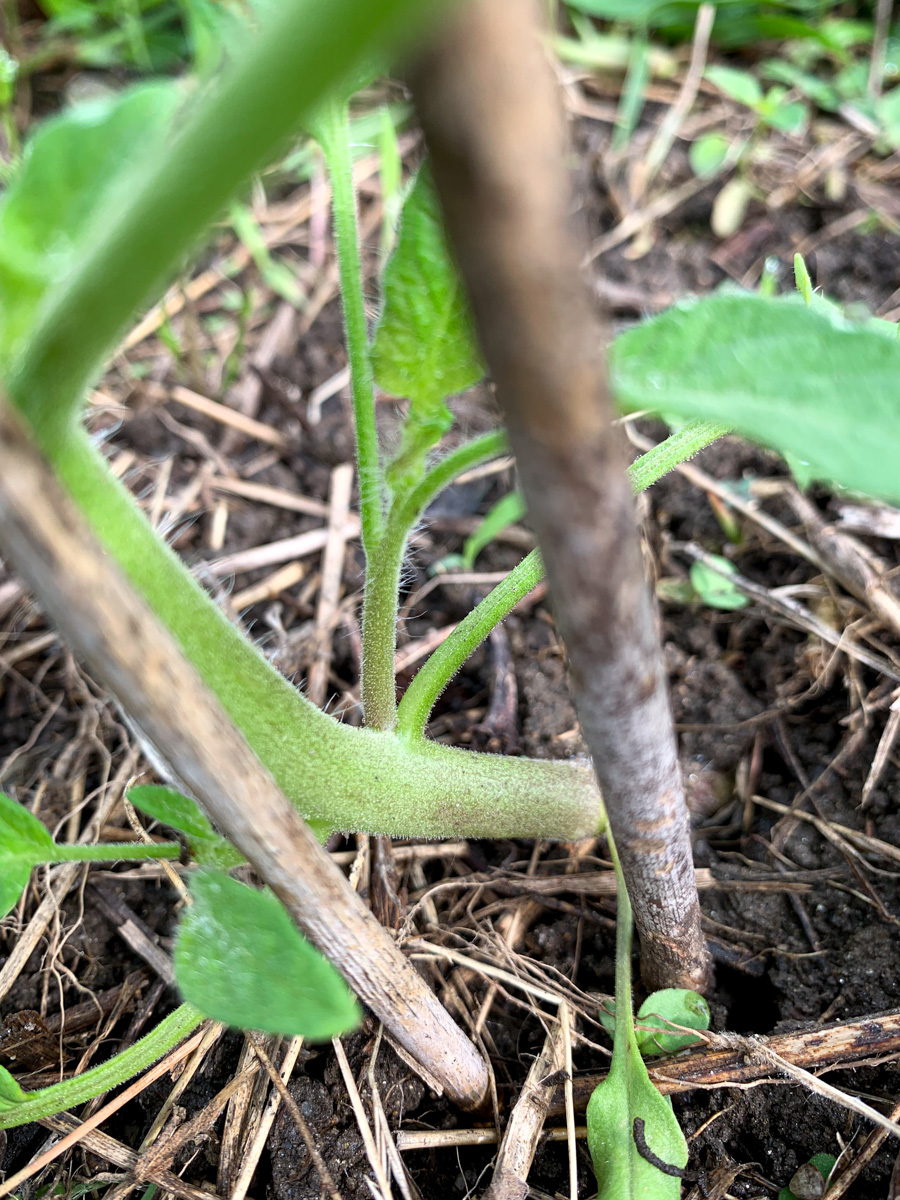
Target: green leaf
[[69, 167], [707, 154], [240, 959], [508, 509], [739, 85], [10, 1092], [804, 381], [660, 1011], [714, 588], [24, 842], [181, 813], [424, 348]]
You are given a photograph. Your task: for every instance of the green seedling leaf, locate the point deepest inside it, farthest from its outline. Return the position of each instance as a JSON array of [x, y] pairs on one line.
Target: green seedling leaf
[[810, 1180], [10, 1092], [24, 842], [667, 1008], [657, 1017], [240, 959], [738, 85], [715, 589], [181, 813], [424, 348], [276, 274], [69, 168], [508, 509], [805, 381], [707, 154]]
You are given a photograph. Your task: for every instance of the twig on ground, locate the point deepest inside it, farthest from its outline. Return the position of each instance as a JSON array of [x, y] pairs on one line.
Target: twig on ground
[[795, 613], [229, 416], [272, 553], [668, 130], [63, 877], [297, 1117], [261, 1133], [816, 1049], [525, 1124], [362, 1121]]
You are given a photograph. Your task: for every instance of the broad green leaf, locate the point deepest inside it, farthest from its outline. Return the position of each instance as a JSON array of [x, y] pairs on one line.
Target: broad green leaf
[[508, 509], [69, 168], [424, 347], [10, 1092], [181, 813], [24, 842], [707, 154], [804, 381], [713, 588], [630, 1124], [660, 1011], [240, 959], [739, 85]]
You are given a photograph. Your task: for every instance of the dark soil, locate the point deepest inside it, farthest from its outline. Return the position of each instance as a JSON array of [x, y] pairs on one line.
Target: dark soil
[[761, 708]]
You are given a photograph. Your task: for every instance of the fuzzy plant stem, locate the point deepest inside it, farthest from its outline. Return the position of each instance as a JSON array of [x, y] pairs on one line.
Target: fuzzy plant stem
[[332, 130], [383, 579], [120, 852], [33, 1106], [422, 694], [489, 107]]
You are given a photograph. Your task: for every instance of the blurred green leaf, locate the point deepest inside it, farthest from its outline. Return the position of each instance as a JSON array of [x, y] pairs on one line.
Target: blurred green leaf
[[739, 85], [240, 959], [424, 347], [802, 380], [24, 842], [707, 154], [508, 509], [713, 588], [70, 165]]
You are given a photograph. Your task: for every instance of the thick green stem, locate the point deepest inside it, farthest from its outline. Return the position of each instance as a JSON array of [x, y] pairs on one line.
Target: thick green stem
[[379, 626], [422, 694], [332, 127], [120, 852], [60, 1096]]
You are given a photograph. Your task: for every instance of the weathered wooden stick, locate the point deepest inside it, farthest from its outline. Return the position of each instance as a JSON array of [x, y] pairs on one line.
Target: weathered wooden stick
[[136, 658], [488, 104]]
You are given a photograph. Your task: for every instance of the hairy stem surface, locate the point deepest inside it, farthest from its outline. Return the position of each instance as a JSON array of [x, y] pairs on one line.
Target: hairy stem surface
[[93, 1082], [422, 694]]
